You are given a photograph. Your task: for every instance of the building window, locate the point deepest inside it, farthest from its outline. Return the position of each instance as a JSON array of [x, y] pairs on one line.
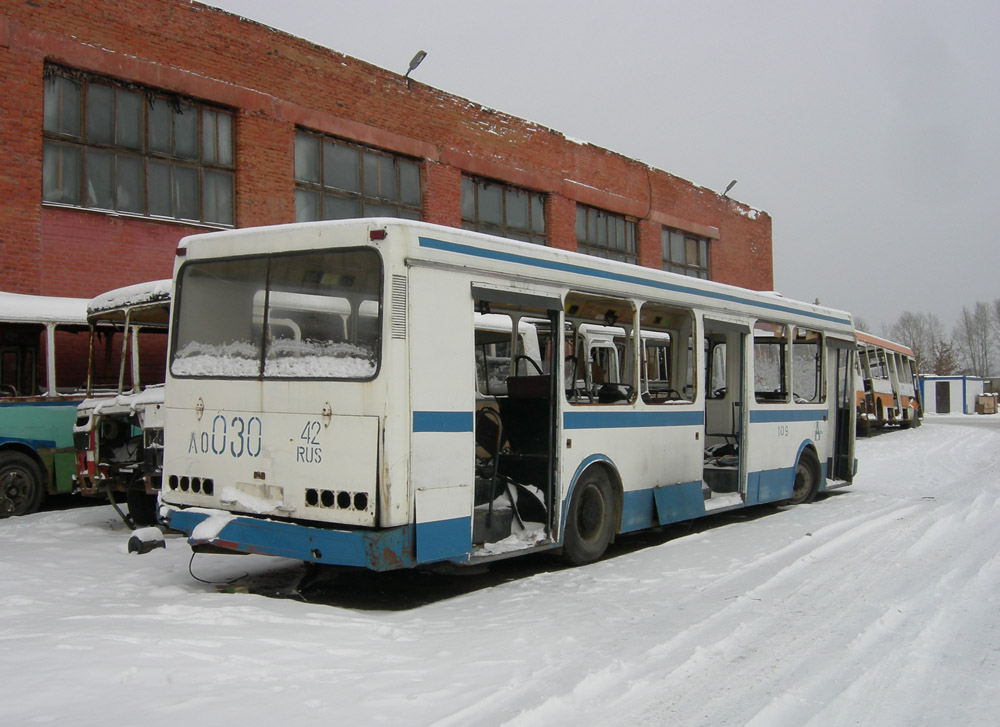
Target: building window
[[336, 180], [499, 209], [604, 234], [111, 145], [684, 253]]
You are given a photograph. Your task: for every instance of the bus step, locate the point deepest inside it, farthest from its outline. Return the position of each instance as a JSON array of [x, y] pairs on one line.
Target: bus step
[[490, 527]]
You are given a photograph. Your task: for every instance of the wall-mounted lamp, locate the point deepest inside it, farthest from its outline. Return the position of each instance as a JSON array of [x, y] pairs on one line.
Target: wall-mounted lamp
[[730, 186]]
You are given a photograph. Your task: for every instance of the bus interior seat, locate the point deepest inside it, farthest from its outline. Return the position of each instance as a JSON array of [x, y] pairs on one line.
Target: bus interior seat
[[489, 430], [525, 413], [527, 417]]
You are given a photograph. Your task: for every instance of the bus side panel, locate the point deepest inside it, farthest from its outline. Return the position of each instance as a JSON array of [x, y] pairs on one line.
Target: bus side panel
[[679, 502], [442, 403], [46, 426], [776, 439], [651, 448], [775, 484]]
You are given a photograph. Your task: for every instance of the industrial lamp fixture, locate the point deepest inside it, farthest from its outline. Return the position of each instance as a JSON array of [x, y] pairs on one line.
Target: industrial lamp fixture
[[414, 62], [730, 186]]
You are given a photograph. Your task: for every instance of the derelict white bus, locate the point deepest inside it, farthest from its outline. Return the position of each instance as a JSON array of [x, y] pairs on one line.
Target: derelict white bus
[[354, 393]]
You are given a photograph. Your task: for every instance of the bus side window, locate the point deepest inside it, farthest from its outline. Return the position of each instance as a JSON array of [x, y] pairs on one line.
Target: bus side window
[[500, 354], [770, 352], [716, 359], [492, 362], [602, 367], [9, 383], [807, 367], [668, 370]]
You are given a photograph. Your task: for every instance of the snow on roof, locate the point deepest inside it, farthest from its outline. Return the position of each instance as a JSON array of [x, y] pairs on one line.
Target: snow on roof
[[154, 291], [21, 308]]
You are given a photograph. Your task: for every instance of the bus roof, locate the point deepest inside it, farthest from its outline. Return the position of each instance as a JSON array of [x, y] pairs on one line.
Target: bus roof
[[21, 308], [449, 246], [884, 343], [131, 296]]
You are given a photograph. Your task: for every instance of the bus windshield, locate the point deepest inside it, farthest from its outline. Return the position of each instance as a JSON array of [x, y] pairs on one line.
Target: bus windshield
[[311, 315]]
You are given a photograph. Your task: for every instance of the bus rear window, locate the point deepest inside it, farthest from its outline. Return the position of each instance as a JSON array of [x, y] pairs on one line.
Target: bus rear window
[[304, 316]]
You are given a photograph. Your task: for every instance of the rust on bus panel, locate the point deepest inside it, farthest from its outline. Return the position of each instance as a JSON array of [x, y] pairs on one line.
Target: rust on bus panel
[[389, 559]]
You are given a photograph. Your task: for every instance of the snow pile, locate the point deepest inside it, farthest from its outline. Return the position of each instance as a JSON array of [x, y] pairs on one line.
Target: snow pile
[[877, 605]]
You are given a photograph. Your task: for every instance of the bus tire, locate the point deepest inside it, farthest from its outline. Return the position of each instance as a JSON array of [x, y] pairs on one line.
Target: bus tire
[[22, 486], [806, 479], [141, 506], [590, 519]]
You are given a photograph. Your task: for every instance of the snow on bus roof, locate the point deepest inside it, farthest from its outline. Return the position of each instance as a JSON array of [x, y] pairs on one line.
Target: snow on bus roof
[[22, 308], [154, 291]]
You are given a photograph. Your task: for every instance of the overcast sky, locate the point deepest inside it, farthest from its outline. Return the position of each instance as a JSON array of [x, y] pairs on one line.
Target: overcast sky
[[868, 129]]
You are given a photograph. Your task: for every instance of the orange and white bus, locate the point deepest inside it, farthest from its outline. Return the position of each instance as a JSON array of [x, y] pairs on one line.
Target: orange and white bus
[[887, 392]]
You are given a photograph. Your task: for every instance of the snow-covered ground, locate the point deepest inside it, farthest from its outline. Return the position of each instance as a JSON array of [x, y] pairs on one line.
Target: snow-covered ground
[[879, 605]]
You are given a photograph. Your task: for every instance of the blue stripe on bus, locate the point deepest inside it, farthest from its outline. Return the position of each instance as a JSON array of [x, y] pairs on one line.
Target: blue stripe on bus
[[42, 402], [444, 539], [643, 509], [760, 416], [458, 248], [379, 550], [630, 419], [770, 485], [36, 444], [666, 504], [442, 421], [376, 549]]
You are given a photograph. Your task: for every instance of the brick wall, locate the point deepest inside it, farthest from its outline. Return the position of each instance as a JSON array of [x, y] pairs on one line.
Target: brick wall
[[81, 250], [20, 169], [276, 82]]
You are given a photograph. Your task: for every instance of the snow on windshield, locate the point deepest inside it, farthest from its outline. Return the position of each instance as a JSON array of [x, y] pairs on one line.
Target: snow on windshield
[[286, 359], [303, 315]]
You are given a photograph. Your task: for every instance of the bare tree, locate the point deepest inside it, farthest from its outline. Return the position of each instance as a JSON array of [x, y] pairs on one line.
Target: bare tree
[[924, 334], [943, 361], [995, 318], [974, 337]]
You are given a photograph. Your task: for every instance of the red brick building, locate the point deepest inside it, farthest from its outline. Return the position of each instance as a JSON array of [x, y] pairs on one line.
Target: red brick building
[[126, 125]]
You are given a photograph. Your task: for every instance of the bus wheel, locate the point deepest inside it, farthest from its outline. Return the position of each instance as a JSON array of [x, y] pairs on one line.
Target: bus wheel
[[141, 507], [590, 520], [22, 487], [806, 479]]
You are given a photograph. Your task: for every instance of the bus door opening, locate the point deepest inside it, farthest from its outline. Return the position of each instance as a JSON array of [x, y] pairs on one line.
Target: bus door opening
[[725, 431], [516, 336], [842, 361]]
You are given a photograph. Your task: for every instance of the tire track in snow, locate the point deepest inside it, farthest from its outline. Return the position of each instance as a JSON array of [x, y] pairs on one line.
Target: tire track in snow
[[903, 625], [845, 567], [616, 687]]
